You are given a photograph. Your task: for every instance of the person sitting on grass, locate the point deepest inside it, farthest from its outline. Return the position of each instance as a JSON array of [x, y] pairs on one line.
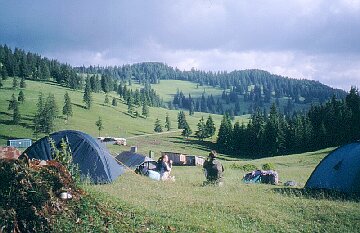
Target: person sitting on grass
[[213, 170], [164, 167]]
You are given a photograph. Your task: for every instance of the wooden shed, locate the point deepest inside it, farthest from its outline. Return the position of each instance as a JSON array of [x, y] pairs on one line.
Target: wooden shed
[[178, 159], [193, 160]]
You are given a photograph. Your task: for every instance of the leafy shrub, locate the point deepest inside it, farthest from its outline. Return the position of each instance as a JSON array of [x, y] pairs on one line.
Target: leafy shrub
[[268, 166], [245, 167]]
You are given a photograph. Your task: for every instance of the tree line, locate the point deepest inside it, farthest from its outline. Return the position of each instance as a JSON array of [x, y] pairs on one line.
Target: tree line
[[331, 124]]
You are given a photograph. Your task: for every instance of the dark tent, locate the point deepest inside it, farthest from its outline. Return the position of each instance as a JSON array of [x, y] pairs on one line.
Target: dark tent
[[339, 170], [134, 160], [93, 158]]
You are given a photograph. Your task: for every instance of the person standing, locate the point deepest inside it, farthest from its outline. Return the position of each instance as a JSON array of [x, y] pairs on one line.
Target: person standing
[[213, 170]]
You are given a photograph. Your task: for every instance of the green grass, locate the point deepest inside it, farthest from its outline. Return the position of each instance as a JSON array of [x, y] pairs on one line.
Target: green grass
[[116, 120], [187, 206]]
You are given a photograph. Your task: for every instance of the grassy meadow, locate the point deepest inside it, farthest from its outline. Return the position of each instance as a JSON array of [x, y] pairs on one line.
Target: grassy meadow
[[186, 205]]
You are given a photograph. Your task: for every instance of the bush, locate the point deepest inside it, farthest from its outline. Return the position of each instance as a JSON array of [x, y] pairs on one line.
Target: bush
[[245, 167], [268, 166]]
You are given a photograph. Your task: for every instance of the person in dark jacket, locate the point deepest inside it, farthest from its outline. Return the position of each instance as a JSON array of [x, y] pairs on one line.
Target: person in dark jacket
[[213, 170]]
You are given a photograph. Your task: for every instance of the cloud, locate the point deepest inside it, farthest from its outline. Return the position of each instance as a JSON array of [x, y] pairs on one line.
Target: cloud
[[314, 39]]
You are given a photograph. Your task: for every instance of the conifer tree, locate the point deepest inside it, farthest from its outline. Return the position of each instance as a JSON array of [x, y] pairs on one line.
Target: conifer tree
[[158, 127], [186, 131], [21, 97], [167, 122], [130, 104], [225, 132], [87, 98], [210, 128], [114, 102], [145, 110], [201, 130], [67, 109], [16, 114], [99, 125], [15, 83], [12, 102], [181, 120], [22, 83], [106, 101], [1, 83]]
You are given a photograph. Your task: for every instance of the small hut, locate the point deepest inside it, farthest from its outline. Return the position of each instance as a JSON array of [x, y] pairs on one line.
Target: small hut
[[178, 159], [193, 160]]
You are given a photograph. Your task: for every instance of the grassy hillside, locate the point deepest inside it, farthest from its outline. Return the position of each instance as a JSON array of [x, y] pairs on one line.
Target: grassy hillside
[[116, 120], [186, 206]]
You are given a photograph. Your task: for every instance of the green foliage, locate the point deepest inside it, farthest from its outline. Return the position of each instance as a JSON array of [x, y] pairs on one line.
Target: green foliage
[[145, 110], [181, 120], [15, 83], [99, 125], [12, 102], [201, 132], [67, 109], [158, 127], [87, 98], [106, 101], [16, 114], [186, 131], [225, 133], [44, 120], [246, 167], [21, 97], [22, 83], [167, 122], [268, 166], [210, 127], [114, 102]]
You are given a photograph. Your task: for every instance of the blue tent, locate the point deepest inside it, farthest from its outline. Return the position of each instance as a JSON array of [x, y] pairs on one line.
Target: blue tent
[[134, 160], [93, 158], [339, 170]]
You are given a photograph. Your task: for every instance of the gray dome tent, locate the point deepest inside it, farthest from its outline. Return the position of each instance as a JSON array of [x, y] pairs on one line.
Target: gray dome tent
[[338, 171], [93, 158]]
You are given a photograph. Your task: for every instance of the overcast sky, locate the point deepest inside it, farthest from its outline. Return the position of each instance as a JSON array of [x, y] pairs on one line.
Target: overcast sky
[[310, 39]]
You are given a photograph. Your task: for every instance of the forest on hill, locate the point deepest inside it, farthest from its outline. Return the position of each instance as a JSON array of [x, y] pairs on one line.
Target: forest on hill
[[244, 91], [255, 88]]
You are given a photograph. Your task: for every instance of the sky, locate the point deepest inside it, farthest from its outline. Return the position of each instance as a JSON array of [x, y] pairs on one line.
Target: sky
[[303, 39]]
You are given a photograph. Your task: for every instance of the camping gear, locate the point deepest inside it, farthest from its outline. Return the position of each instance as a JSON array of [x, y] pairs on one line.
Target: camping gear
[[154, 175], [338, 171], [262, 176], [94, 160]]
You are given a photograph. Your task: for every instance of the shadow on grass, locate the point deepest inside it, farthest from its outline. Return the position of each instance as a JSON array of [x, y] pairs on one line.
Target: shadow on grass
[[79, 105], [319, 194]]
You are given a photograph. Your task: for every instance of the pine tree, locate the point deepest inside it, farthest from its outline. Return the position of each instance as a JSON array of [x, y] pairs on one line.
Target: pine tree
[[87, 98], [201, 130], [186, 131], [38, 119], [130, 104], [15, 83], [167, 122], [210, 128], [181, 120], [67, 109], [145, 110], [106, 99], [114, 102], [16, 114], [22, 83], [21, 97], [158, 127], [225, 133], [99, 125], [1, 83], [12, 102], [50, 111]]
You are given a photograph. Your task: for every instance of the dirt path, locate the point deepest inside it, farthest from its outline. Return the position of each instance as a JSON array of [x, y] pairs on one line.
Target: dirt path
[[151, 134]]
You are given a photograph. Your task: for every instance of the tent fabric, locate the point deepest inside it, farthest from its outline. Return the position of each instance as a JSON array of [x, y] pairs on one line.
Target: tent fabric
[[338, 171], [132, 160], [93, 158]]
